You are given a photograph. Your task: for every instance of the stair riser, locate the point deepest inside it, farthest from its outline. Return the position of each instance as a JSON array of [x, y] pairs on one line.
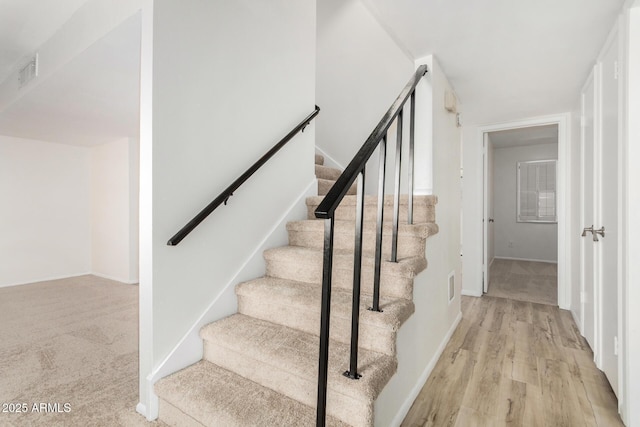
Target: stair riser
[[324, 172], [173, 416], [302, 389], [319, 159], [370, 336], [408, 245], [392, 286], [324, 186], [348, 213]]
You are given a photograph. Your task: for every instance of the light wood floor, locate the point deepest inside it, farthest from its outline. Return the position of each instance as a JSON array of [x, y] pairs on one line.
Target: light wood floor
[[524, 281], [515, 363]]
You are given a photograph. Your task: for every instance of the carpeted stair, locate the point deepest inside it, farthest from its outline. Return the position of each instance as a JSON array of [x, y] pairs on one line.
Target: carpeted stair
[[260, 365]]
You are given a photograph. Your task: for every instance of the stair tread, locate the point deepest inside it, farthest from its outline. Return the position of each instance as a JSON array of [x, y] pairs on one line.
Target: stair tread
[[214, 396], [319, 159], [288, 292], [284, 349], [422, 230], [406, 267]]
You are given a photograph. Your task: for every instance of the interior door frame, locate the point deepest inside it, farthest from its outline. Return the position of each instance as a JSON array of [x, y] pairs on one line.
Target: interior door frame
[[563, 176]]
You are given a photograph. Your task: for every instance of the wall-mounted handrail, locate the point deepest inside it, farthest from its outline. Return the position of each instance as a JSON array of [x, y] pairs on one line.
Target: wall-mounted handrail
[[326, 210], [226, 194]]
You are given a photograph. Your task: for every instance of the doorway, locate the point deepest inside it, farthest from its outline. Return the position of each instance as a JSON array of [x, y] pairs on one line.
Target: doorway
[[501, 225], [522, 225]]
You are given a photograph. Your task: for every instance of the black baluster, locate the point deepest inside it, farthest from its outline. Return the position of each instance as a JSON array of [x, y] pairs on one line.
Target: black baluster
[[412, 128], [357, 269], [396, 198], [378, 257], [325, 312]]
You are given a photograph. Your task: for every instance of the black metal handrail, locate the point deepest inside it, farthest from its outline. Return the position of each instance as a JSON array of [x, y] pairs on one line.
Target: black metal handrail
[[228, 192], [326, 210]]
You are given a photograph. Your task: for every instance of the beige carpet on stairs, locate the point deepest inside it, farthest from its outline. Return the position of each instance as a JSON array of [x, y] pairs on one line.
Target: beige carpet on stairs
[[260, 365]]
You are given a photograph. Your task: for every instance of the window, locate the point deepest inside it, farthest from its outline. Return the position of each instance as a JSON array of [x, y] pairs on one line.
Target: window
[[537, 191]]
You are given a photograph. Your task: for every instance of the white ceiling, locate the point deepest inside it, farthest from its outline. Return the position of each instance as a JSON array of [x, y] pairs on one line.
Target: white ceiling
[[507, 59], [525, 136], [91, 100], [26, 24]]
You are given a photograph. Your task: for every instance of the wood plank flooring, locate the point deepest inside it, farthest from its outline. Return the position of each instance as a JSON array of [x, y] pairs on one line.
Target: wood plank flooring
[[514, 363]]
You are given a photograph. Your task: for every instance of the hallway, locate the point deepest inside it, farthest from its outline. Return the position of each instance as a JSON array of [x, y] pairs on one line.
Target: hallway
[[516, 363]]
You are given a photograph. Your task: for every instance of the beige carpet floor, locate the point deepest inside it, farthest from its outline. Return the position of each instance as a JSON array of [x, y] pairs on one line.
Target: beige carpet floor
[[528, 281], [71, 341]]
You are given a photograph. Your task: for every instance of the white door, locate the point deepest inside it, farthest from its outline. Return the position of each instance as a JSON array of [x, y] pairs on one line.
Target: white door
[[588, 210], [607, 217]]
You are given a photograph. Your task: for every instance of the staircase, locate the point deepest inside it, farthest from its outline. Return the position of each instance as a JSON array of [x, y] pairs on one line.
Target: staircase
[[260, 365]]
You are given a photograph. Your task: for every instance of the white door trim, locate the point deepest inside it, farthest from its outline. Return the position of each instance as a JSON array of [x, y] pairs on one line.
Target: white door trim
[[564, 208], [485, 213]]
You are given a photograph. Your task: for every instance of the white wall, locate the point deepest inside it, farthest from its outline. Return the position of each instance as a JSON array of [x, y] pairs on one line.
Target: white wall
[[360, 72], [472, 206], [530, 241], [216, 108], [418, 346], [114, 201], [45, 214], [70, 210]]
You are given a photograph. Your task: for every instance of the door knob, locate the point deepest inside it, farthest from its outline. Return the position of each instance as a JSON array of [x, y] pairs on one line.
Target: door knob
[[594, 233], [587, 230]]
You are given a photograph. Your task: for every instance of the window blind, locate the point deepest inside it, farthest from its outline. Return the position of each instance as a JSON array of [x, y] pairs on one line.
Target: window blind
[[536, 191]]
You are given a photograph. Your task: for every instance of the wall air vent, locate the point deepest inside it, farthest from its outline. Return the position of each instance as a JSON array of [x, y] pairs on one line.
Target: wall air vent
[[29, 71]]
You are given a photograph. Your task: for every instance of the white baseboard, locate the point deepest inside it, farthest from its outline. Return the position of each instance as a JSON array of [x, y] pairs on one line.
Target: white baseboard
[[333, 163], [525, 259], [190, 348], [422, 380], [575, 319], [115, 279], [141, 409], [419, 191], [468, 293], [45, 279], [151, 412]]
